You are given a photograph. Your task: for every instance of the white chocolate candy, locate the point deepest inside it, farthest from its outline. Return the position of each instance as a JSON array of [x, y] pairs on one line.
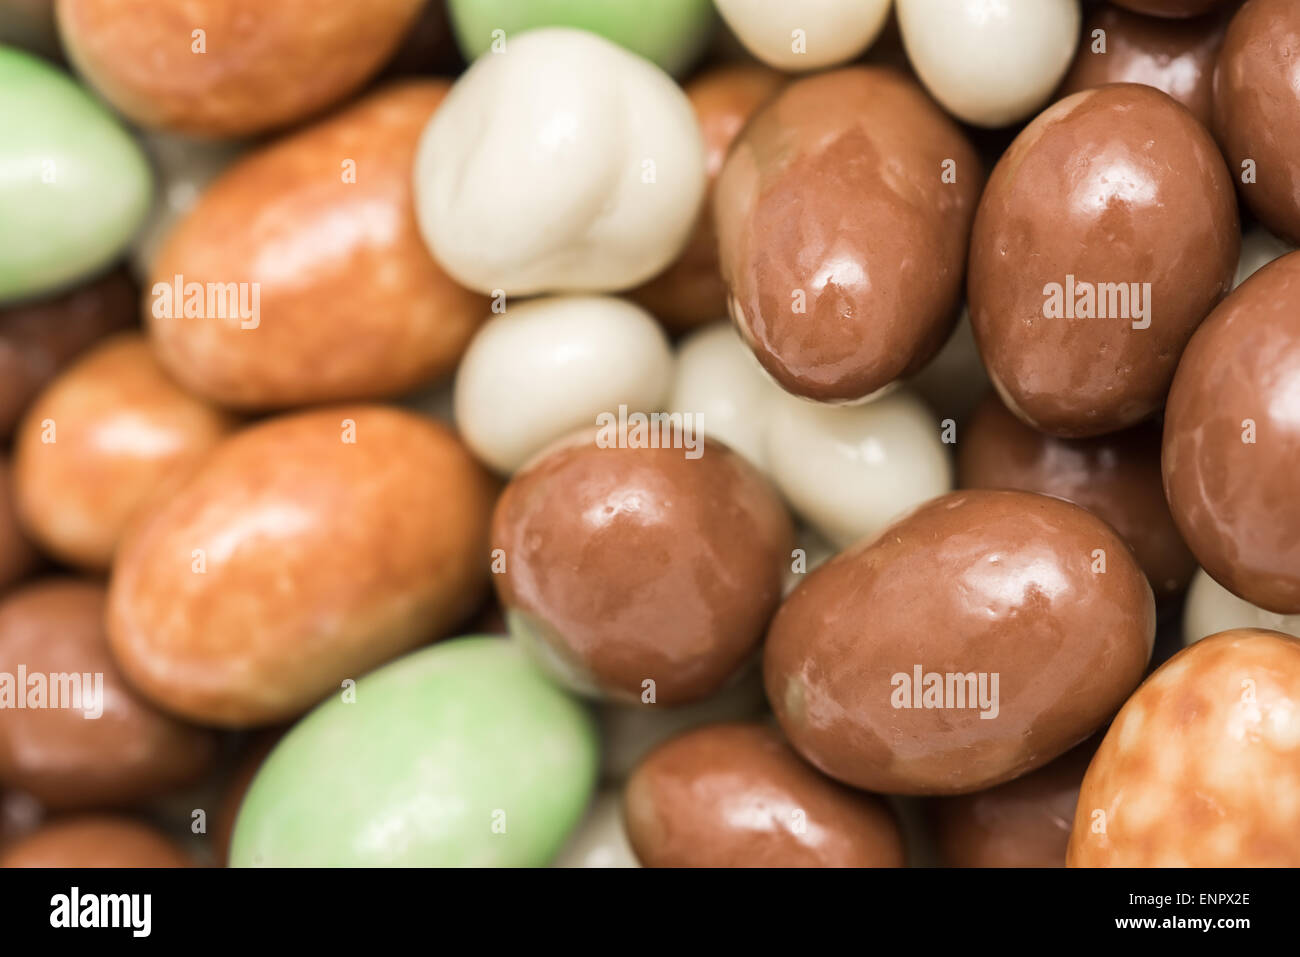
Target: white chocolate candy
[[1259, 247], [549, 366], [807, 35], [563, 163], [1211, 608], [954, 381], [851, 470], [990, 62], [601, 838]]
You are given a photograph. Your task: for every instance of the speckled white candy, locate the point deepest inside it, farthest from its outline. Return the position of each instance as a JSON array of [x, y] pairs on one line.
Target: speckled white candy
[[532, 175], [834, 31], [1259, 247], [990, 62], [1211, 608], [850, 470], [548, 366], [601, 838]]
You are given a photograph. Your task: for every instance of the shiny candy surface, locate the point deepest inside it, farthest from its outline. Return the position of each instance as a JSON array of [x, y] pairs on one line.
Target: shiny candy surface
[[808, 35]]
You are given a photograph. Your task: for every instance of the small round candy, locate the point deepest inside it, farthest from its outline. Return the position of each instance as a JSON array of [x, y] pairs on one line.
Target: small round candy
[[563, 163], [1211, 608], [1108, 231], [17, 554], [101, 441], [970, 642], [639, 571], [1172, 8], [1259, 247], [75, 186], [954, 381], [1232, 440], [601, 838], [459, 755], [95, 841], [808, 35], [850, 471], [736, 795], [548, 366], [1257, 111], [1201, 768], [990, 64]]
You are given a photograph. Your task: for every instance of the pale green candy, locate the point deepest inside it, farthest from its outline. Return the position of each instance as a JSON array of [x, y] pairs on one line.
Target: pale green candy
[[74, 186], [461, 754], [672, 33]]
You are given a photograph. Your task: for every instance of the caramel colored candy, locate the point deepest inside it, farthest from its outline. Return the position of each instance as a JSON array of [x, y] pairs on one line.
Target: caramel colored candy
[[98, 841], [339, 297], [690, 293], [1116, 477], [17, 555], [306, 550], [1201, 768], [841, 242], [226, 68], [99, 442], [1108, 231], [113, 747], [971, 642], [735, 795], [1232, 447], [638, 573]]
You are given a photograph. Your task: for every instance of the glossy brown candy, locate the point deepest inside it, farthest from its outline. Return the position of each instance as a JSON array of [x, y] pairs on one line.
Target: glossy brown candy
[[305, 551], [17, 554], [1232, 440], [972, 641], [736, 795], [638, 573], [1108, 231], [1201, 768], [1257, 111], [842, 240], [1116, 477], [95, 841]]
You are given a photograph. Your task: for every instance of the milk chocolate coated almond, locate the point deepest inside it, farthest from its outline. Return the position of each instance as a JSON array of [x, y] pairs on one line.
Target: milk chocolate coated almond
[[99, 841]]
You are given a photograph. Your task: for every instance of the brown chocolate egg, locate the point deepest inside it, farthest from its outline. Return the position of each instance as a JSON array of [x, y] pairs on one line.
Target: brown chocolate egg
[[301, 277], [1232, 440], [972, 641], [843, 212], [736, 795], [95, 841], [1116, 477], [92, 741], [1176, 56], [1201, 768], [640, 574], [229, 68], [99, 442], [690, 293], [1257, 111], [17, 554], [1172, 8], [1108, 231], [305, 551]]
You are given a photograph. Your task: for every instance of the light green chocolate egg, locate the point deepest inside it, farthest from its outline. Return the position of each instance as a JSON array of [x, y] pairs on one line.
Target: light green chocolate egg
[[461, 754], [672, 33], [74, 186]]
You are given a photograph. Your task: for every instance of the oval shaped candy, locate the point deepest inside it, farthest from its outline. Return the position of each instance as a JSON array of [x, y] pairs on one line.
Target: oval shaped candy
[[100, 840], [808, 35]]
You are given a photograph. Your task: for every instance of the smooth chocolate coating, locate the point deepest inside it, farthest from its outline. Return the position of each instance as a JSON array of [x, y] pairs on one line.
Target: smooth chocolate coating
[[736, 795], [1029, 589], [98, 841], [1118, 187], [18, 556], [62, 757], [1116, 477], [627, 565], [1257, 110], [1232, 440], [1171, 8], [841, 245], [1199, 769]]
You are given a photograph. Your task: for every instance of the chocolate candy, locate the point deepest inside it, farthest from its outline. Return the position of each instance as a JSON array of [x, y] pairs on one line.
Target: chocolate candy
[[735, 795], [601, 838], [972, 641], [1231, 445], [227, 68], [640, 573], [458, 755], [95, 841], [1257, 111], [1172, 8], [1108, 231], [1116, 477], [807, 35], [300, 275], [306, 550], [843, 212], [104, 438], [17, 555], [1211, 608], [1199, 769], [102, 744]]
